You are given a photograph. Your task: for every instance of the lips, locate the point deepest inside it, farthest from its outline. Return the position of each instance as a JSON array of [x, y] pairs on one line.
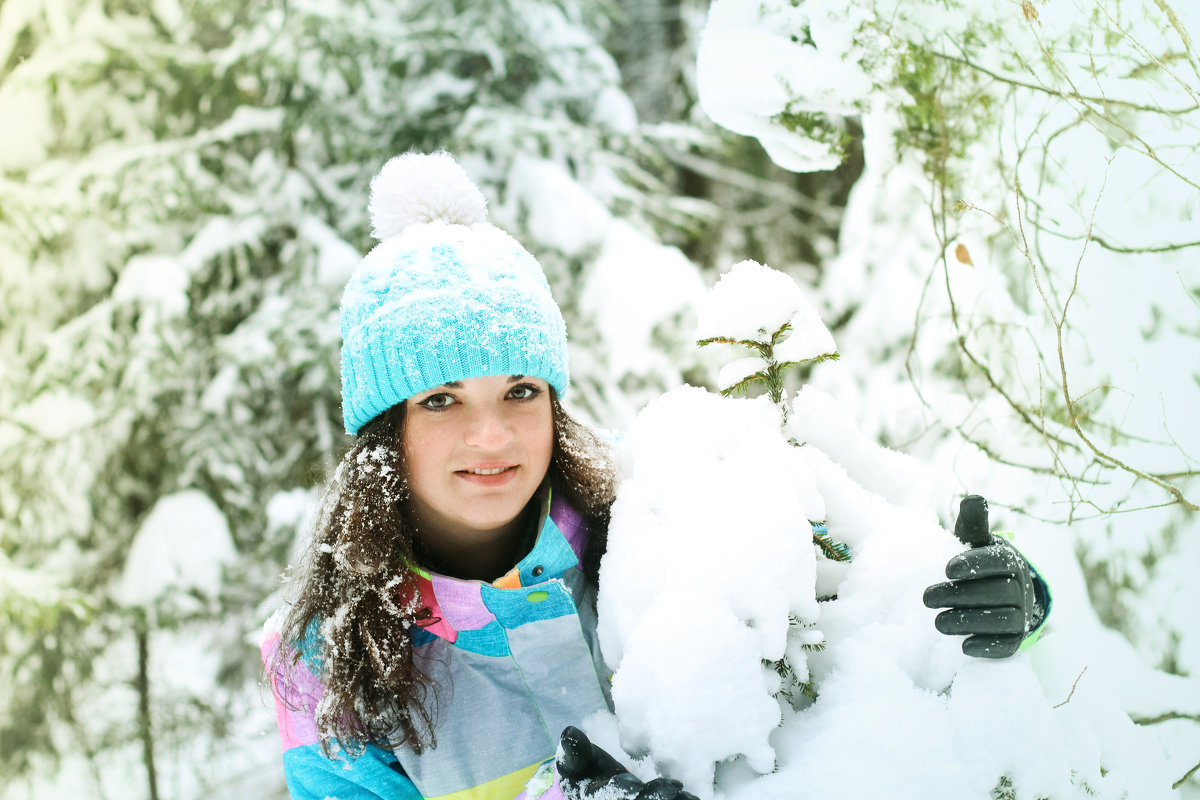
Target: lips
[[488, 475]]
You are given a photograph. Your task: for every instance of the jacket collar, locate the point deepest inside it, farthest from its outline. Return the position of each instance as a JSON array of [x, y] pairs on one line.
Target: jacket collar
[[458, 605]]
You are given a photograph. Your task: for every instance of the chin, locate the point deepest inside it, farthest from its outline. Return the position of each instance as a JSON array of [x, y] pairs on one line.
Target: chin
[[487, 520]]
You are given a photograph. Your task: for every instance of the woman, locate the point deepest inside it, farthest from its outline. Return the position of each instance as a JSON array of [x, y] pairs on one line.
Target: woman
[[442, 633], [441, 638]]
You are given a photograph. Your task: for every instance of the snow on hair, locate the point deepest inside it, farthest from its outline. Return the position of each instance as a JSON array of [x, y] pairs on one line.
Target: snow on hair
[[420, 188]]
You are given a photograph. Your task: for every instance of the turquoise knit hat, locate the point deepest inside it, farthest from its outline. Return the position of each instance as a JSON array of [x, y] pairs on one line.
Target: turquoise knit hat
[[444, 296]]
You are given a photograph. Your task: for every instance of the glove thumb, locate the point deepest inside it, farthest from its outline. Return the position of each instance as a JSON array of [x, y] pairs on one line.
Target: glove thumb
[[971, 527], [574, 752]]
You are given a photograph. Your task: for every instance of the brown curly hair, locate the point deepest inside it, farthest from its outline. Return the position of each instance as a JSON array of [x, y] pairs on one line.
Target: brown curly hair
[[356, 586]]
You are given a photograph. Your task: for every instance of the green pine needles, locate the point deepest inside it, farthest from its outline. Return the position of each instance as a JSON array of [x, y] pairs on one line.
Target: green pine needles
[[772, 372], [830, 547], [791, 682]]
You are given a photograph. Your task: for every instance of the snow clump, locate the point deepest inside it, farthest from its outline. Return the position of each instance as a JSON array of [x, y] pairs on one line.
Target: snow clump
[[772, 68], [180, 550]]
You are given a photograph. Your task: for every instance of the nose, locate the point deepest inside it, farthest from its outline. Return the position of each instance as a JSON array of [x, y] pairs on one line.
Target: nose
[[487, 429]]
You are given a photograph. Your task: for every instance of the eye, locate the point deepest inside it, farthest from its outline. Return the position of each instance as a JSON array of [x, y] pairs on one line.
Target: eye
[[524, 391], [437, 402]]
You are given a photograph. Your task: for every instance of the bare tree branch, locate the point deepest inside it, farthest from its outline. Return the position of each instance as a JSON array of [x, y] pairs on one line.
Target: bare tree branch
[[1167, 717]]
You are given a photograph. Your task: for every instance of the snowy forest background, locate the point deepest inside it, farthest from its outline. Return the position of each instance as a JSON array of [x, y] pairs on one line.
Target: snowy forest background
[[993, 204]]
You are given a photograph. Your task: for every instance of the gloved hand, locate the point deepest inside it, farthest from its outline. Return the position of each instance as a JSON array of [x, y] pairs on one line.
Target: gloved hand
[[586, 771], [990, 595]]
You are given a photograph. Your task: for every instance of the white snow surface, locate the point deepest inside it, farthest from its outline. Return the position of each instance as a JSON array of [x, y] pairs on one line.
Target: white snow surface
[[561, 213], [55, 414], [181, 547]]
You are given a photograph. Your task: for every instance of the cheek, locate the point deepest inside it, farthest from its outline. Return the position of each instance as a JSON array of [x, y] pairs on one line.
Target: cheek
[[540, 437], [420, 455]]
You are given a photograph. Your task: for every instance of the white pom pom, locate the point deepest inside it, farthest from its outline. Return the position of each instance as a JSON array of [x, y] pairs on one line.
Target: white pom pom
[[416, 187]]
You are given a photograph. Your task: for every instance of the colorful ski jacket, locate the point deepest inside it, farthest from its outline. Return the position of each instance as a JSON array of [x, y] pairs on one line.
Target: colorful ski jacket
[[517, 660]]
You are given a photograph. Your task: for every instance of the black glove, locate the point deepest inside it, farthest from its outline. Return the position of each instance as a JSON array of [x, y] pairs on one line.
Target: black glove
[[991, 594], [585, 771]]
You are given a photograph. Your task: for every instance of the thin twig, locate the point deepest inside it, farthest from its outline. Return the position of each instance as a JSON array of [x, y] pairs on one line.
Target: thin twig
[[1017, 407], [1116, 248], [1158, 62], [1072, 417], [1072, 95], [1059, 319], [1173, 18], [1073, 517], [999, 459], [1072, 692], [1165, 248], [1185, 777]]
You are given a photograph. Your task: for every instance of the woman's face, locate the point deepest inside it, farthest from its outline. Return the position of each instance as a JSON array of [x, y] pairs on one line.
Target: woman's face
[[476, 451]]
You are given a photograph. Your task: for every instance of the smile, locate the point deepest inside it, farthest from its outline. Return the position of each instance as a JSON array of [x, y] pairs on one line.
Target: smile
[[489, 477]]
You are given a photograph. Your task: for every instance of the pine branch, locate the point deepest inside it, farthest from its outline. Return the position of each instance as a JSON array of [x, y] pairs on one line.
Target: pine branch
[[784, 670], [743, 386], [832, 549], [757, 346]]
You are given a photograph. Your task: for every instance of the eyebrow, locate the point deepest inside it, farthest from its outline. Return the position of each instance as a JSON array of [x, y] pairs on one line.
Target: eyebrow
[[458, 384]]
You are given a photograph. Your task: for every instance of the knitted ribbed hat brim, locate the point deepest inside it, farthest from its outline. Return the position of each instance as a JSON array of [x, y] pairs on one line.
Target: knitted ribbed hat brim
[[442, 302]]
